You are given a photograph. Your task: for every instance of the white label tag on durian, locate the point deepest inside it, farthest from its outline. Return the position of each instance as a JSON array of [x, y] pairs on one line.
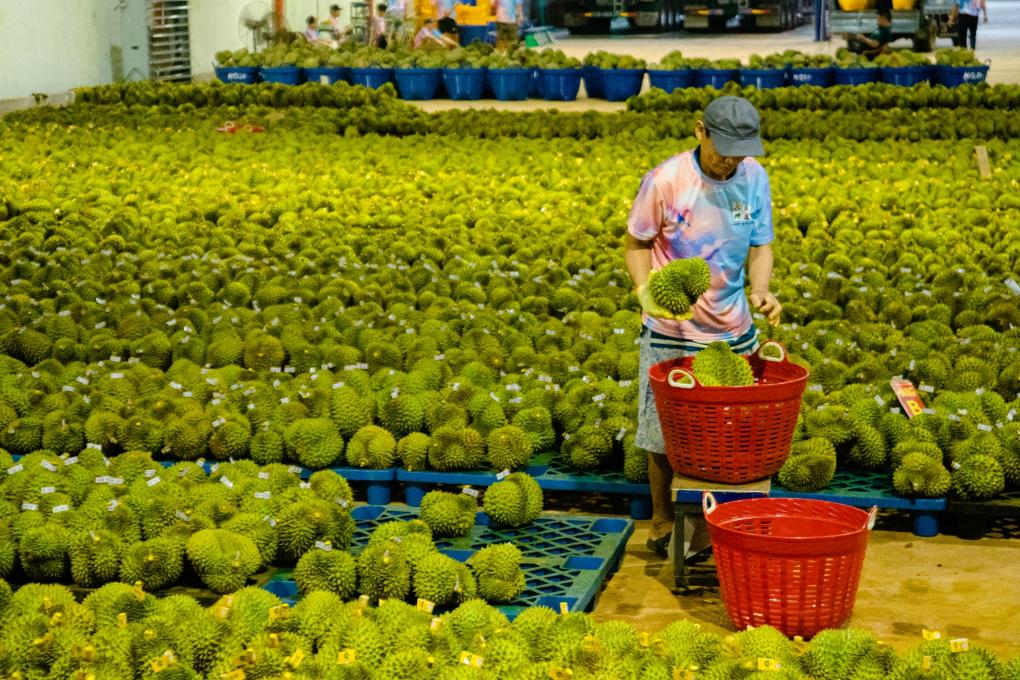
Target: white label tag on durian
[[29, 506], [470, 492], [502, 475], [15, 469]]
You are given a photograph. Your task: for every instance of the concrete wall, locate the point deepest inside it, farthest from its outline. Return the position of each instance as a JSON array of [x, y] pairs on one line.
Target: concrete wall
[[51, 46]]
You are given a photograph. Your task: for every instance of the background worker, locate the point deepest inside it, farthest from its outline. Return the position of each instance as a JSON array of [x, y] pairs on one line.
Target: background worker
[[338, 32], [876, 42], [509, 16], [713, 202], [428, 34], [964, 15]]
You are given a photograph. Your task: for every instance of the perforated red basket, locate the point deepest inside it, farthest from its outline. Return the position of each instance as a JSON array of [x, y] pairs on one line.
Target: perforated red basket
[[729, 434], [790, 563]]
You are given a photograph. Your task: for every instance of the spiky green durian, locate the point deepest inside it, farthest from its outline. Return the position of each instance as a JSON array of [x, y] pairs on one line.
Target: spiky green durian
[[509, 448], [262, 351], [95, 556], [387, 530], [262, 534], [443, 580], [498, 571], [223, 560], [448, 514], [456, 448], [472, 622], [979, 443], [332, 570], [349, 410], [266, 447], [302, 522], [908, 446], [719, 366], [679, 284], [314, 442], [977, 477], [383, 571], [371, 447], [112, 599], [684, 644], [514, 501], [919, 475], [329, 486], [537, 424], [157, 563], [413, 451], [22, 436], [810, 471], [836, 654], [231, 435], [588, 448], [402, 412], [43, 551], [224, 349], [869, 450]]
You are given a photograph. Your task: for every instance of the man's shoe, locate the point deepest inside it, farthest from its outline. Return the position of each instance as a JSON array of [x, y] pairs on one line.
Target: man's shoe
[[659, 546]]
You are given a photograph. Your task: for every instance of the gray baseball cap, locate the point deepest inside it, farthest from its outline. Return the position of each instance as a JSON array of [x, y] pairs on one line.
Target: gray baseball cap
[[734, 125]]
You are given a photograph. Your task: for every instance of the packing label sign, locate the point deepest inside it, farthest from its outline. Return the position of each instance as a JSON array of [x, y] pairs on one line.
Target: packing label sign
[[908, 396]]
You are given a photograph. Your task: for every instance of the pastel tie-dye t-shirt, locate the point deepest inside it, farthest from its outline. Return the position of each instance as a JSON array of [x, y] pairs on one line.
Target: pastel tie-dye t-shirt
[[687, 214]]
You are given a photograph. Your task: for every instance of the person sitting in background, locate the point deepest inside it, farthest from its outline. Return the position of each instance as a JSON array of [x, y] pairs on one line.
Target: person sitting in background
[[311, 30], [338, 32], [876, 42], [430, 35], [378, 37]]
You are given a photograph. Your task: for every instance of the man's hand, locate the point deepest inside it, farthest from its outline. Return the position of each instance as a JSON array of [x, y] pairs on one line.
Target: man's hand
[[644, 296], [768, 305]]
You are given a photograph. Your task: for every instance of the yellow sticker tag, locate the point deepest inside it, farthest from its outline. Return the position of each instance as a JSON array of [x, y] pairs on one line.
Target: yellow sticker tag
[[425, 606], [926, 663], [158, 664], [382, 601], [769, 665], [346, 656], [659, 647], [959, 645], [363, 600], [138, 592], [122, 620], [222, 612], [279, 612], [931, 635], [436, 624], [645, 639], [564, 608], [295, 659], [469, 659], [236, 674], [591, 644], [561, 673], [228, 600], [274, 640], [683, 673]]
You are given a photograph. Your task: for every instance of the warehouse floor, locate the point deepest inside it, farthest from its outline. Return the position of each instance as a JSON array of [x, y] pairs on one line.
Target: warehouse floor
[[962, 588]]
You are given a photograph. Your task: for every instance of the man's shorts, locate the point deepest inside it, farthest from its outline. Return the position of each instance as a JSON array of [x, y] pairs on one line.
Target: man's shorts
[[654, 349]]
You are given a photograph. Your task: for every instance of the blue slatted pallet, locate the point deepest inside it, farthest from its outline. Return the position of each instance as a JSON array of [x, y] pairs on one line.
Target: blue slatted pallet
[[864, 489], [565, 558], [547, 469], [378, 484]]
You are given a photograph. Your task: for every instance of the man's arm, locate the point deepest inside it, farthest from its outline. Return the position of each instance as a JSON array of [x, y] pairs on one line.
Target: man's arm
[[759, 271], [638, 258]]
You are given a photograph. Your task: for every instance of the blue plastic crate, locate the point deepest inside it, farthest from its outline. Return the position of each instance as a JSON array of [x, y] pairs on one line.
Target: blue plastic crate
[[417, 83], [864, 489], [855, 76], [819, 77], [669, 80], [620, 84], [906, 76], [371, 77], [592, 77], [287, 75], [559, 84], [509, 84], [485, 33], [715, 77], [763, 78], [464, 84], [245, 75], [331, 74], [954, 76]]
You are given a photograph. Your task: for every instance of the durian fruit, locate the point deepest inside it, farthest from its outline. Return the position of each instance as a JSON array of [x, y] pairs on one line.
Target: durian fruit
[[534, 626], [678, 285], [156, 563], [509, 447], [471, 623], [537, 423], [187, 437], [349, 411], [262, 533], [684, 644], [513, 501], [456, 448], [909, 446], [95, 556], [413, 451], [383, 571], [304, 520], [719, 366], [836, 654], [262, 351], [498, 571], [332, 570], [443, 580], [810, 467], [223, 560], [448, 514], [919, 475], [635, 460], [231, 435], [590, 447], [977, 477], [869, 450], [266, 447], [401, 412], [112, 599], [314, 442], [371, 447], [42, 550]]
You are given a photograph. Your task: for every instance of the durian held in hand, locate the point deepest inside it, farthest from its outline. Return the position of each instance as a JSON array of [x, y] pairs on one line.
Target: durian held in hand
[[671, 291]]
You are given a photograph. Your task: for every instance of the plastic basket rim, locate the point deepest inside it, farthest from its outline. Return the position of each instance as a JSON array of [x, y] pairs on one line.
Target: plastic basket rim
[[714, 522], [776, 383]]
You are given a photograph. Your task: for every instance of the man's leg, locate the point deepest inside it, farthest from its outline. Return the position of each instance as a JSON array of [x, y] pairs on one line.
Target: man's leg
[[660, 482], [973, 32], [961, 29]]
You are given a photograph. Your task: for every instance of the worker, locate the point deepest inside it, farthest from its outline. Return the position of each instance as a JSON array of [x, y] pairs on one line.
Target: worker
[[338, 32], [311, 30], [712, 202], [430, 35], [964, 15], [509, 15], [876, 42], [395, 13], [378, 37]]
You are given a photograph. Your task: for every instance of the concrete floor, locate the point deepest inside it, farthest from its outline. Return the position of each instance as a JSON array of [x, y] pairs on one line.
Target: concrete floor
[[961, 588]]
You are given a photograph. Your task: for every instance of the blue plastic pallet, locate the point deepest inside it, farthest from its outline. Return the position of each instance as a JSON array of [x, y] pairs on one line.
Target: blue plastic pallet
[[863, 489], [973, 516], [547, 469], [378, 483]]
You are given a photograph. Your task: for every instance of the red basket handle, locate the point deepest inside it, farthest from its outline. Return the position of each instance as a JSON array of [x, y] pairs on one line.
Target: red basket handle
[[708, 503], [769, 345], [872, 516], [685, 381]]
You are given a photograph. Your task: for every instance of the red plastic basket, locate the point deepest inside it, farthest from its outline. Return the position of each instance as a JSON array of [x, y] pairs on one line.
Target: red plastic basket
[[790, 563], [729, 434]]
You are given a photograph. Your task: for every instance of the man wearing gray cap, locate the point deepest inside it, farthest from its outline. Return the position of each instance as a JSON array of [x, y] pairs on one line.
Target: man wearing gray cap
[[712, 202]]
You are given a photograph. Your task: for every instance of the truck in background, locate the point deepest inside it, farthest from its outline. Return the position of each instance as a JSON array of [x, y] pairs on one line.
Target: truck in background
[[923, 25], [775, 15]]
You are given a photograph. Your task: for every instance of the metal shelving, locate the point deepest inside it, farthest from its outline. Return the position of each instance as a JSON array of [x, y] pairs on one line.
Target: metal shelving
[[169, 42]]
